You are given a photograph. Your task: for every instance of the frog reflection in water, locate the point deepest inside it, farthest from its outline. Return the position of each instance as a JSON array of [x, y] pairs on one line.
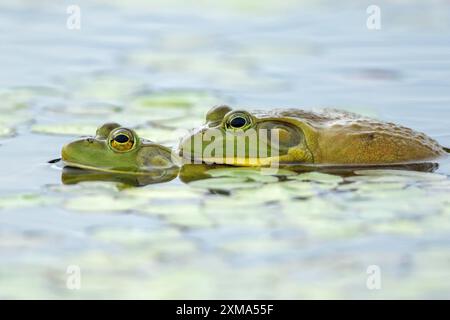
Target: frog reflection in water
[[117, 154]]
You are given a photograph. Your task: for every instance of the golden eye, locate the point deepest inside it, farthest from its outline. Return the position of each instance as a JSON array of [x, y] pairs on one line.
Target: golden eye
[[122, 140]]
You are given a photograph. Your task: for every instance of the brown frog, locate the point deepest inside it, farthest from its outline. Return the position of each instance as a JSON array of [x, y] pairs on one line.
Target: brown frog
[[330, 136]]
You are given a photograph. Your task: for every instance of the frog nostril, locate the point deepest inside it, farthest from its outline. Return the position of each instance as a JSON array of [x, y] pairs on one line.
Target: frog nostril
[[90, 140]]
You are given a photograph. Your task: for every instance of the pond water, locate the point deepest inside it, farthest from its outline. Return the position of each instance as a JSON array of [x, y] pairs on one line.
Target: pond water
[[158, 66]]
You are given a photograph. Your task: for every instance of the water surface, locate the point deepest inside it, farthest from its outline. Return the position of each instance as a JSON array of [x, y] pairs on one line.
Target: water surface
[[158, 66]]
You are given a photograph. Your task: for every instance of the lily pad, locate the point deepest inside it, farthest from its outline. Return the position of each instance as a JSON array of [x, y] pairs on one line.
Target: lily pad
[[403, 173], [225, 183], [26, 200], [320, 219], [5, 131], [190, 221], [186, 122], [446, 209], [171, 209], [188, 215], [152, 243], [257, 246], [398, 227], [237, 204], [165, 193], [105, 88], [318, 177], [70, 129], [174, 99], [104, 203], [313, 207], [158, 100], [305, 189], [383, 189], [382, 179], [142, 116], [232, 211], [16, 99], [268, 193], [86, 109], [135, 237], [249, 173], [373, 187], [88, 187], [158, 134], [440, 185], [11, 119]]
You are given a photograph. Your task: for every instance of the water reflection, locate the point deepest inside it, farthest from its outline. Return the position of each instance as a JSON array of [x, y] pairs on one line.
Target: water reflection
[[349, 170], [71, 175], [193, 172]]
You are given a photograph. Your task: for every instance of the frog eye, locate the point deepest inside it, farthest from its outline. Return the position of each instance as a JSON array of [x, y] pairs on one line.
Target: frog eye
[[239, 121], [122, 140]]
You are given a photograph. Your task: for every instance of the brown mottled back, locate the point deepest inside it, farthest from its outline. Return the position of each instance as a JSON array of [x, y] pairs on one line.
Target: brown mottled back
[[342, 137]]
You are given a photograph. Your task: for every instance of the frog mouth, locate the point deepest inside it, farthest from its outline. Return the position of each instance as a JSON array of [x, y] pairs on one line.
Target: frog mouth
[[245, 158], [242, 161], [64, 155], [111, 170], [71, 161]]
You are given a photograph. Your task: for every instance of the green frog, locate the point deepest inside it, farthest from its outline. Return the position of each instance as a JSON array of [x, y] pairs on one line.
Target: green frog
[[116, 149]]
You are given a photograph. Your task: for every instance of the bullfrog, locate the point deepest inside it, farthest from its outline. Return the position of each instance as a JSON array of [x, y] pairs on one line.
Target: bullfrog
[[327, 137], [116, 149]]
